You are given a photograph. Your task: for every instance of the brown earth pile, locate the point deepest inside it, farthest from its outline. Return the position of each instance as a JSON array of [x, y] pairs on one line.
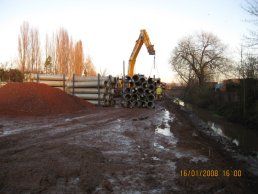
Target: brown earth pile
[[36, 99]]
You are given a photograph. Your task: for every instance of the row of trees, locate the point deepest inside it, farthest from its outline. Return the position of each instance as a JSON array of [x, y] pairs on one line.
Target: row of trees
[[62, 55]]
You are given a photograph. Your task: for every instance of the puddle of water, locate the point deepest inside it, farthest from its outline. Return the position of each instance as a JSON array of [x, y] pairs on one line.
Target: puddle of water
[[165, 129], [8, 132], [179, 102], [68, 120], [216, 129], [199, 158], [236, 142], [181, 155], [156, 145], [241, 136], [155, 158]]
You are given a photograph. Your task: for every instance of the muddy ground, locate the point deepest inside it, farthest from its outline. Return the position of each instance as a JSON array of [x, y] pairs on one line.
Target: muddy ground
[[116, 150]]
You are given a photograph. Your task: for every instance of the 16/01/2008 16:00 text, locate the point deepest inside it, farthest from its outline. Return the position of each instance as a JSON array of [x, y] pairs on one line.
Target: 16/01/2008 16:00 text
[[211, 173]]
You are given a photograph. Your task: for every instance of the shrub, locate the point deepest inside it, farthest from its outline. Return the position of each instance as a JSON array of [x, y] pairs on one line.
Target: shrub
[[13, 75]]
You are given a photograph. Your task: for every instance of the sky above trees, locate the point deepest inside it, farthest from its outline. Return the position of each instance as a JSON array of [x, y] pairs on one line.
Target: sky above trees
[[109, 29]]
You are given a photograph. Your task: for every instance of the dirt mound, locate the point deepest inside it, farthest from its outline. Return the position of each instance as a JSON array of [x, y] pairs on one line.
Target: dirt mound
[[37, 99]]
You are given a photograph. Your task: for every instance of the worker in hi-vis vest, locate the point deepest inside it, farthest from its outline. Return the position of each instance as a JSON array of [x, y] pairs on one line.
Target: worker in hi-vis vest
[[158, 92]]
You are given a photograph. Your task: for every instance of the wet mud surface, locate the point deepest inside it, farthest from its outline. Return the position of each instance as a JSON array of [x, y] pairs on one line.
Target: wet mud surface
[[116, 150]]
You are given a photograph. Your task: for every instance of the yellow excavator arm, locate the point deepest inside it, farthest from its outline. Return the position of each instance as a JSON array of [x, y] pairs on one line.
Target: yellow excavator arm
[[143, 38]]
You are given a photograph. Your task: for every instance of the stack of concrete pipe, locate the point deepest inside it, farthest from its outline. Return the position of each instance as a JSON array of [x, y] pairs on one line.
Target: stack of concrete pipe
[[57, 81], [139, 92], [95, 89]]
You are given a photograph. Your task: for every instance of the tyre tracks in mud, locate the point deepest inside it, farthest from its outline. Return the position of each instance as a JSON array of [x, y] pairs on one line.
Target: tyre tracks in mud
[[112, 150]]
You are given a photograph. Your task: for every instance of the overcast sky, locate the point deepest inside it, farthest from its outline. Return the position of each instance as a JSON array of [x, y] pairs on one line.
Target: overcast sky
[[110, 28]]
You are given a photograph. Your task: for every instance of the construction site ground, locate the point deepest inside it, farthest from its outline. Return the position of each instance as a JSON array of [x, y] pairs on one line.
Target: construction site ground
[[116, 150]]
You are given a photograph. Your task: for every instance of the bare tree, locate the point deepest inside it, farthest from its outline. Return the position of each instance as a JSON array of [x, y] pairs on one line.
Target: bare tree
[[50, 55], [62, 51], [198, 57], [23, 46], [103, 72], [249, 67], [251, 7], [78, 58], [71, 64], [35, 52], [90, 69]]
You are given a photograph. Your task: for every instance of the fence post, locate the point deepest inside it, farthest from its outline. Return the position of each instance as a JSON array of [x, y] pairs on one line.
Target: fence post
[[73, 84], [64, 82], [98, 89]]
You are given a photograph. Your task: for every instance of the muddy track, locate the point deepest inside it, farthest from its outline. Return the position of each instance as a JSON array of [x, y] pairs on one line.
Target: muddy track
[[115, 150]]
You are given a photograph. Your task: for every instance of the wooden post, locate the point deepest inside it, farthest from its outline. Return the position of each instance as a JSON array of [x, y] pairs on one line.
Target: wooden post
[[73, 84], [64, 82], [98, 89], [123, 86]]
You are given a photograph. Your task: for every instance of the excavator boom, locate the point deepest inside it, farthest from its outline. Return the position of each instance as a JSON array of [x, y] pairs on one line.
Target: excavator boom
[[143, 38]]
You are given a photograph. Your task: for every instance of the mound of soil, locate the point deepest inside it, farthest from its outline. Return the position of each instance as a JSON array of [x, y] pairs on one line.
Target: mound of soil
[[37, 99]]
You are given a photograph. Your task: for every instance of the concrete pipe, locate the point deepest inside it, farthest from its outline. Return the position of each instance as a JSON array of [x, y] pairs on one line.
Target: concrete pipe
[[111, 91], [60, 88], [88, 90], [96, 102], [127, 96], [147, 91], [51, 83], [140, 91], [143, 98], [134, 97], [138, 83], [107, 97], [145, 85], [127, 90], [150, 80], [136, 78], [93, 78], [132, 103], [90, 96], [127, 104], [144, 104], [151, 97], [124, 103], [139, 104], [131, 84], [128, 78], [133, 90], [112, 102], [151, 87], [142, 79], [47, 77], [150, 104], [88, 84]]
